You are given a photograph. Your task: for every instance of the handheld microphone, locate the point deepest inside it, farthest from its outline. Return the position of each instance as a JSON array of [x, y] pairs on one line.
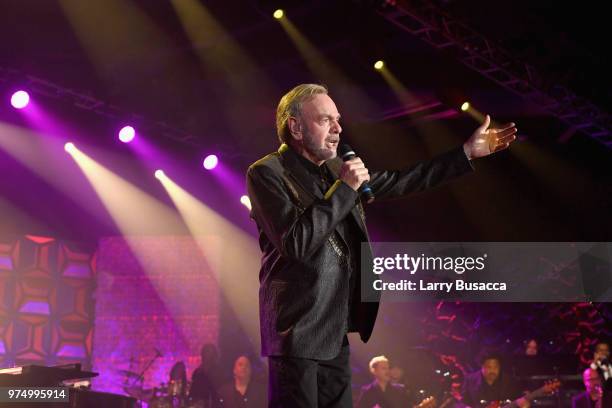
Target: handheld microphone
[[346, 153]]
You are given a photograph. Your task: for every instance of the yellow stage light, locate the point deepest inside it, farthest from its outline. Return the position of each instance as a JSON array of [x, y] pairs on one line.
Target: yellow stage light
[[246, 201], [159, 174], [278, 14], [465, 106], [379, 64]]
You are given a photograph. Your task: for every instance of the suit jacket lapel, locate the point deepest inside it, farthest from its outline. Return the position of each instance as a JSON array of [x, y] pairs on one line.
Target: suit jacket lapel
[[334, 166]]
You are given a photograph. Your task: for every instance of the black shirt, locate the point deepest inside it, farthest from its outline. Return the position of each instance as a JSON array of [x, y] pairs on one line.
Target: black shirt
[[254, 397], [476, 391], [204, 385], [394, 396]]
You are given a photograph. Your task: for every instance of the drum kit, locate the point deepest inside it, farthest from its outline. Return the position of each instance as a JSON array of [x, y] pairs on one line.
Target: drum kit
[[168, 395]]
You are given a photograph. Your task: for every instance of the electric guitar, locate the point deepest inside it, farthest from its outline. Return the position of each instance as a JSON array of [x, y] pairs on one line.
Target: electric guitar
[[429, 402], [546, 389]]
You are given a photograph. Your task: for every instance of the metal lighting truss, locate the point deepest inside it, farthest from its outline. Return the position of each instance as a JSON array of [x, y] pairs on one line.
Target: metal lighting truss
[[437, 28], [86, 102]]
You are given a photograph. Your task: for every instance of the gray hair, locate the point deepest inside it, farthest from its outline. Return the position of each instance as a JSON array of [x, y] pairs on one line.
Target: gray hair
[[291, 105]]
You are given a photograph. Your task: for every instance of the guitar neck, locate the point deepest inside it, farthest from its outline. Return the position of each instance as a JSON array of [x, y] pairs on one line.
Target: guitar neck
[[530, 396]]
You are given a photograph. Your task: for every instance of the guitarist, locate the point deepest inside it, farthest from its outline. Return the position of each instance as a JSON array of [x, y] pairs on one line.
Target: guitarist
[[383, 393], [490, 384]]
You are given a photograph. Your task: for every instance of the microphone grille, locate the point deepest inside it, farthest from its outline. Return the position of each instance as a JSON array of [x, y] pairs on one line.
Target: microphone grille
[[344, 149]]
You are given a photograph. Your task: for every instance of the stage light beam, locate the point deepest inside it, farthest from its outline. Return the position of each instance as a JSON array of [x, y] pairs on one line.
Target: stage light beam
[[159, 174], [465, 106], [20, 99], [278, 14], [127, 134], [235, 265], [379, 65]]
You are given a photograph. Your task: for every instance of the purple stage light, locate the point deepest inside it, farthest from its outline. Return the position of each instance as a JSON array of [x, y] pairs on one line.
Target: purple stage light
[[20, 99], [127, 134], [210, 162]]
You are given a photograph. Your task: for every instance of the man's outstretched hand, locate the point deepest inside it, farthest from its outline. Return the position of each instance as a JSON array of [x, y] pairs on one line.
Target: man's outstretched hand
[[485, 140]]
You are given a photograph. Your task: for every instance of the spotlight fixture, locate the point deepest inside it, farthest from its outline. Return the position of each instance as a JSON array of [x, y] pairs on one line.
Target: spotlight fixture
[[20, 99], [246, 201], [127, 134], [159, 174], [70, 147], [379, 64], [278, 14], [465, 106], [210, 162]]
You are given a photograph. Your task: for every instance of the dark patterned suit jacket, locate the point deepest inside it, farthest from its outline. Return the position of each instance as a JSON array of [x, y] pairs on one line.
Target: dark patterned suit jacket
[[304, 290]]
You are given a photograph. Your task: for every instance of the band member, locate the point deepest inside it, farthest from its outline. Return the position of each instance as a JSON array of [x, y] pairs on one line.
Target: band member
[[601, 363], [382, 392], [177, 384], [397, 374], [490, 384], [306, 203], [207, 378], [594, 396], [243, 392], [529, 363], [531, 347]]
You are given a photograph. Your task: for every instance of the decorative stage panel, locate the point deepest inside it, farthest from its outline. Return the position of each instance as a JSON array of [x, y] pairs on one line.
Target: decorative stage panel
[[46, 310], [156, 296]]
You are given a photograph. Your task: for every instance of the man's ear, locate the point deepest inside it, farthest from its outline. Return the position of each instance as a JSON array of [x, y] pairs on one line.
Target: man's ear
[[295, 128]]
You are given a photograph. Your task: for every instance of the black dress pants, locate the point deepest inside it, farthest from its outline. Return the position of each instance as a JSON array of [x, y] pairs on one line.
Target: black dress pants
[[305, 383]]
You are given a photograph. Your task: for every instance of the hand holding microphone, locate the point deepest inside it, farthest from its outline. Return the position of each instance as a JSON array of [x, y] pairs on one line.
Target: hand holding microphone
[[354, 173]]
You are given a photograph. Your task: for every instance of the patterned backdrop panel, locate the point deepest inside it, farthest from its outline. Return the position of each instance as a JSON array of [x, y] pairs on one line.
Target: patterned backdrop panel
[[46, 302], [157, 302]]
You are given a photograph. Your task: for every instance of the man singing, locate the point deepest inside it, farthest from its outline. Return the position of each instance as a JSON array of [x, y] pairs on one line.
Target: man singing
[[306, 203]]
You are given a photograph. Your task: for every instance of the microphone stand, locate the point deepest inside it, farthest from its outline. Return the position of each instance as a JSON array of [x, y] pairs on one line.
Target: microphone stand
[[144, 370]]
